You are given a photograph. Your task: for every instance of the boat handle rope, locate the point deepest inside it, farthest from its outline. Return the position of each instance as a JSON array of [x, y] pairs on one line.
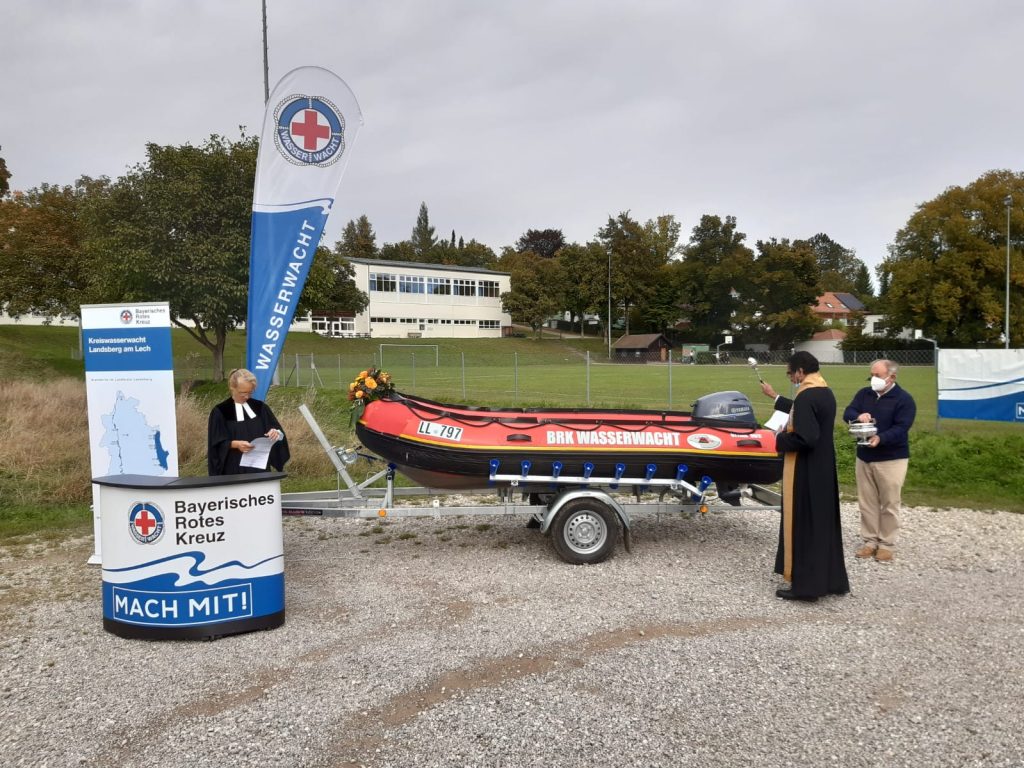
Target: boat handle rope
[[510, 423]]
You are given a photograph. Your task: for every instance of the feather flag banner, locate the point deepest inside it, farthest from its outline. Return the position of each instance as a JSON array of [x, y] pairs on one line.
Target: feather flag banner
[[310, 127]]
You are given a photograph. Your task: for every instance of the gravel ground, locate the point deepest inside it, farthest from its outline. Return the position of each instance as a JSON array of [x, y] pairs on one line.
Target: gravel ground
[[451, 643]]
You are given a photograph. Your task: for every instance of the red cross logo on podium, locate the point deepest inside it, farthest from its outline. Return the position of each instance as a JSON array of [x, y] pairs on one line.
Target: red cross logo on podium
[[145, 522]]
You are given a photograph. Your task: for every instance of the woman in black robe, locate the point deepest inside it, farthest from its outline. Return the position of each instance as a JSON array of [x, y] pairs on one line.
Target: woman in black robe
[[810, 552], [237, 421]]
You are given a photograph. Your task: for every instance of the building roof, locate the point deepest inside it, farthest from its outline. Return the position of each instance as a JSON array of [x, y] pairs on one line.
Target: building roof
[[851, 301], [832, 303], [830, 335], [638, 341], [424, 265]]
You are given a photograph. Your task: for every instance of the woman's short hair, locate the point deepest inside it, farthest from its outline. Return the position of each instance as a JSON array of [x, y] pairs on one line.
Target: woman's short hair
[[238, 375]]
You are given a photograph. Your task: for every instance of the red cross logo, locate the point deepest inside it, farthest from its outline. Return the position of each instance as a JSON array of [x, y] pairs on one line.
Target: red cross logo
[[311, 130], [145, 522]]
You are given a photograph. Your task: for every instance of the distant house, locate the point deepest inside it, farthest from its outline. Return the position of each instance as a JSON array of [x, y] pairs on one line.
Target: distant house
[[642, 348], [824, 345], [833, 305], [875, 325]]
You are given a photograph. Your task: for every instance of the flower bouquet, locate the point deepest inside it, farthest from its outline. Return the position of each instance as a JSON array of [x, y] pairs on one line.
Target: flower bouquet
[[372, 384]]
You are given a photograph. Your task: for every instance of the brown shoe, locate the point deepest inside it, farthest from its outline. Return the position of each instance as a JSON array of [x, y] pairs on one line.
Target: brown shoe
[[884, 555], [866, 551]]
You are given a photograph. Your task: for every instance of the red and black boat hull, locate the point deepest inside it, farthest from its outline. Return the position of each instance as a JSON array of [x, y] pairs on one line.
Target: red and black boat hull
[[449, 446]]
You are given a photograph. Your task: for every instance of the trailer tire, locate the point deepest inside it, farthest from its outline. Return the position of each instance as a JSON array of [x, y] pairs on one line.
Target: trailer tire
[[585, 531]]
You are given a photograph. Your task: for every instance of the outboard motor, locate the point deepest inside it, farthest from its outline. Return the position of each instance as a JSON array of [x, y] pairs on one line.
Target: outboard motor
[[730, 407]]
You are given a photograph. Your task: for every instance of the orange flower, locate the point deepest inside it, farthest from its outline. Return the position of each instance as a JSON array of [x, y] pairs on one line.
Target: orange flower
[[370, 384], [362, 374], [360, 393]]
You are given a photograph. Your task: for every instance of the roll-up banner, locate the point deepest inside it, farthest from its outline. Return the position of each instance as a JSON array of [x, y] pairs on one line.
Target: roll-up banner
[[129, 389], [983, 384], [309, 129]]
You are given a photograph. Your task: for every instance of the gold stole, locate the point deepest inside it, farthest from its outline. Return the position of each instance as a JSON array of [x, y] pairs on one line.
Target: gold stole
[[788, 473]]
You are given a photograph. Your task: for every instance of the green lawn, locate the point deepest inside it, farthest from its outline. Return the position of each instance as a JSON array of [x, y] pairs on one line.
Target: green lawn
[[962, 463]]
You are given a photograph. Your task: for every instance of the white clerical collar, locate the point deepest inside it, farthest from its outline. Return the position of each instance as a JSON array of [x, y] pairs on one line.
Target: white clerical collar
[[243, 409]]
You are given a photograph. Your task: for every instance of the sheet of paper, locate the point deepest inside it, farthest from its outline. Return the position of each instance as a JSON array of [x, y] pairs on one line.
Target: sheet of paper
[[777, 421], [259, 454]]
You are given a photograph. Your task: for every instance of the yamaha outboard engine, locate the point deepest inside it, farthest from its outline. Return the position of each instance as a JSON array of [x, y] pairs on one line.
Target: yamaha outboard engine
[[731, 407]]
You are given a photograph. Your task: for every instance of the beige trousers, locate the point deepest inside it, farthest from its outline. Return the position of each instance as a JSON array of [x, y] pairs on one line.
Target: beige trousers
[[879, 490]]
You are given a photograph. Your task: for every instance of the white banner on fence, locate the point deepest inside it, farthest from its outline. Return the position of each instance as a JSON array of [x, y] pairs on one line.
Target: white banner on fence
[[983, 384], [129, 388]]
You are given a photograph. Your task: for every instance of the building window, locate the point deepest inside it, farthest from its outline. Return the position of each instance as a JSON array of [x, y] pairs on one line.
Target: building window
[[410, 284], [441, 286], [464, 287], [489, 288], [489, 325], [382, 281], [382, 320]]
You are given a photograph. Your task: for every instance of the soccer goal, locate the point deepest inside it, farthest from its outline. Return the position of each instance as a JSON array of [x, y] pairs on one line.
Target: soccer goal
[[414, 347]]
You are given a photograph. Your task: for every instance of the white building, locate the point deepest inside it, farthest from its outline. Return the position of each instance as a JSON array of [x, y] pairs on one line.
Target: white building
[[413, 300]]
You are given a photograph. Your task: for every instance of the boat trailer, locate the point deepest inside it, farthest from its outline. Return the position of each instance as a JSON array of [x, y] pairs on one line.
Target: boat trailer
[[582, 514]]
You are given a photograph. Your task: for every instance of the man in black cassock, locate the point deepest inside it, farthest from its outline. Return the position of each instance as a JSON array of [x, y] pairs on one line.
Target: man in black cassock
[[810, 553], [235, 422]]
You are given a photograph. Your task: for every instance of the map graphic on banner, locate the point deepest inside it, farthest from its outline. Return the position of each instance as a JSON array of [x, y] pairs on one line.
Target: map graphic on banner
[[310, 126], [129, 392], [134, 446]]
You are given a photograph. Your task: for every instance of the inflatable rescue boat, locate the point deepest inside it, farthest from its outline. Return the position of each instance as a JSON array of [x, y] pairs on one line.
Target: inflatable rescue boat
[[461, 447]]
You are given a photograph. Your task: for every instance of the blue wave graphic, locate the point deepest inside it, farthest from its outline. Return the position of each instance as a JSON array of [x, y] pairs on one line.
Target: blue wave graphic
[[982, 386], [194, 569]]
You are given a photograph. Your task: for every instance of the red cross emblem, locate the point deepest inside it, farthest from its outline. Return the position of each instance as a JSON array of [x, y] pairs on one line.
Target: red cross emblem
[[313, 130], [145, 522]]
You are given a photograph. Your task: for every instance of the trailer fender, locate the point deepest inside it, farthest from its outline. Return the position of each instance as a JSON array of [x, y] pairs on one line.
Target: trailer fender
[[585, 493]]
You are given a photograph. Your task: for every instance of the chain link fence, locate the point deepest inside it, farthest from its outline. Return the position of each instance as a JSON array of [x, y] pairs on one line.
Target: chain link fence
[[568, 378]]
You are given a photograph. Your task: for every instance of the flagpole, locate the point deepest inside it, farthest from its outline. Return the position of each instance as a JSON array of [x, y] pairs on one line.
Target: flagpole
[[275, 377], [266, 68]]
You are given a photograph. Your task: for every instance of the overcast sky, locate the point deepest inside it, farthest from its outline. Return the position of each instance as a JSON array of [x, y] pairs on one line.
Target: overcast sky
[[794, 117]]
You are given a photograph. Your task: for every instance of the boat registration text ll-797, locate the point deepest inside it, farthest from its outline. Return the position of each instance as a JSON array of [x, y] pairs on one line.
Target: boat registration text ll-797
[[434, 429]]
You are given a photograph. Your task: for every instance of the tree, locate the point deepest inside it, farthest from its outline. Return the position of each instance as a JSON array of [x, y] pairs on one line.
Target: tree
[[42, 254], [534, 294], [471, 254], [331, 287], [544, 242], [583, 269], [636, 251], [5, 177], [716, 273], [422, 235], [666, 307], [947, 266], [862, 287], [358, 240], [782, 293], [839, 266], [401, 251], [176, 228], [882, 272]]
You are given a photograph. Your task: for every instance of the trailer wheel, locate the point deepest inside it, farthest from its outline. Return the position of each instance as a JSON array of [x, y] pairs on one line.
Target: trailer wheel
[[585, 531]]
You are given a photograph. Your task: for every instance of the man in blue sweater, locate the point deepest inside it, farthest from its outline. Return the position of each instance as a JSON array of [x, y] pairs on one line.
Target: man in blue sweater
[[882, 463]]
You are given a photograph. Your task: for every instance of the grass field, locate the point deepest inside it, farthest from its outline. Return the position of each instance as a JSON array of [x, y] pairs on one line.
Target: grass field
[[960, 463]]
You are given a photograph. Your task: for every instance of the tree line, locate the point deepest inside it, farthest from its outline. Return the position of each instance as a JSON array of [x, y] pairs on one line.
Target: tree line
[[176, 227]]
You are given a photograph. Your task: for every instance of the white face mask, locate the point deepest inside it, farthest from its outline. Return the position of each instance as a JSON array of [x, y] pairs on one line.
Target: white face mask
[[878, 384]]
